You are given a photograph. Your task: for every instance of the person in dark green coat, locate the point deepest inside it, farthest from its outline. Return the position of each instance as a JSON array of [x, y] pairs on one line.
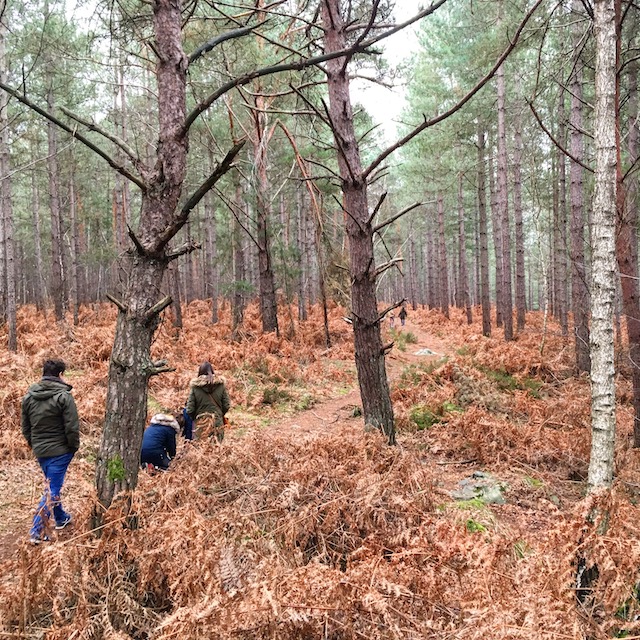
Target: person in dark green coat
[[208, 403], [51, 428]]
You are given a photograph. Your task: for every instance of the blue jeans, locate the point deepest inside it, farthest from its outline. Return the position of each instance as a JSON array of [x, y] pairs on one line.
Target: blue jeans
[[54, 469]]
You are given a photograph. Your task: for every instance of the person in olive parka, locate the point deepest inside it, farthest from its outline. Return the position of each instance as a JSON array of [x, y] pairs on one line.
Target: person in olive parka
[[208, 403], [51, 428]]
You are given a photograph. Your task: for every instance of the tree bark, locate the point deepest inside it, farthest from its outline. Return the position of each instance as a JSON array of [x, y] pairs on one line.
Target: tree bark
[[73, 249], [443, 275], [626, 237], [482, 231], [211, 254], [521, 287], [130, 366], [497, 238], [38, 285], [579, 291], [57, 273], [603, 272], [9, 270], [301, 228], [560, 271], [463, 278], [268, 301], [239, 266], [503, 211], [369, 353]]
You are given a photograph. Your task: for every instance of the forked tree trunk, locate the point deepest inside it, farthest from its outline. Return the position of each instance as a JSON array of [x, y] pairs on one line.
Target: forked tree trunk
[[603, 272], [130, 366], [369, 354]]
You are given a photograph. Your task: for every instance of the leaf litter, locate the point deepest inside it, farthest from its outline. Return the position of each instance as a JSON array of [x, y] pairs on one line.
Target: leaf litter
[[328, 533]]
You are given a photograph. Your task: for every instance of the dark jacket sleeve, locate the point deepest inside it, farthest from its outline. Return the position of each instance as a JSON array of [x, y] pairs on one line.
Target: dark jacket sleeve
[[187, 431], [225, 401], [191, 404], [71, 422], [26, 423], [171, 444]]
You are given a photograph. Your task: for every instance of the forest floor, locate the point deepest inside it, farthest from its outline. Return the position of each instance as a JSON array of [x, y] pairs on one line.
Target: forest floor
[[21, 484], [301, 524]]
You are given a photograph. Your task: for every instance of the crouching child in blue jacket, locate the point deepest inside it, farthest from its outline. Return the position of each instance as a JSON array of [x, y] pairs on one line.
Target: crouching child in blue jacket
[[159, 441]]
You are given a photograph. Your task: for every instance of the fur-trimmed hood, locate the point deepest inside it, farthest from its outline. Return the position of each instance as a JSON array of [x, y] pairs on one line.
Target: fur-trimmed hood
[[166, 420], [203, 381]]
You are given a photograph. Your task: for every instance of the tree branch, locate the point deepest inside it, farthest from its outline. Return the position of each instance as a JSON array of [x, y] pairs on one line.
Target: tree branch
[[189, 247], [399, 27], [180, 220], [157, 308], [391, 308], [443, 116], [117, 302], [141, 250], [72, 132], [374, 213], [92, 126], [232, 207], [266, 71], [387, 265], [214, 42], [382, 225], [565, 151]]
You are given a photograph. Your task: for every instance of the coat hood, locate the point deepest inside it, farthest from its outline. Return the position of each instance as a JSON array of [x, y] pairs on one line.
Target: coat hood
[[47, 388], [203, 381], [166, 420]]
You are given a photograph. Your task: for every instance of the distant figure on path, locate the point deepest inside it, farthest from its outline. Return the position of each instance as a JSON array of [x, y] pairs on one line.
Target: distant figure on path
[[402, 315], [159, 442], [51, 428], [208, 403], [392, 320]]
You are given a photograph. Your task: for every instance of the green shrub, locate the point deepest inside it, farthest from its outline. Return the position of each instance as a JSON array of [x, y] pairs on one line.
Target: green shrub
[[474, 527]]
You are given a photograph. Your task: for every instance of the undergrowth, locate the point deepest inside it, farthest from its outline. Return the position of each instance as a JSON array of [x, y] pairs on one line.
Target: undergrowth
[[330, 533]]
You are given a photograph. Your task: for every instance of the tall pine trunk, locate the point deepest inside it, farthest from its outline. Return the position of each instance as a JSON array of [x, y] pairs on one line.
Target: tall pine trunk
[[6, 210], [626, 237], [521, 287], [369, 353], [503, 210], [57, 273], [603, 272], [482, 232], [579, 291], [442, 265], [38, 285], [463, 278]]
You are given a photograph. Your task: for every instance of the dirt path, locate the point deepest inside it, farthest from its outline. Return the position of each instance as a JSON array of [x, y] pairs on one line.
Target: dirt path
[[326, 415]]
